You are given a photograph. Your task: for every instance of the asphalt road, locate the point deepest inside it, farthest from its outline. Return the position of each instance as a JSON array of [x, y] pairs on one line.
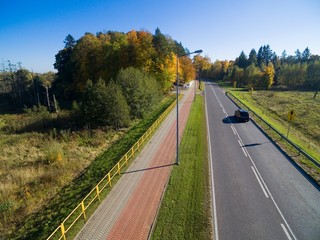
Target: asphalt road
[[257, 192]]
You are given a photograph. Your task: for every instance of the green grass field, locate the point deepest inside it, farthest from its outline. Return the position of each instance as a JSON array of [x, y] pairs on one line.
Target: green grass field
[[185, 210]]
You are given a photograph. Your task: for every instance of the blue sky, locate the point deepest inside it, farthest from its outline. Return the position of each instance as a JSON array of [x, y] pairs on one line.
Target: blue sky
[[33, 31]]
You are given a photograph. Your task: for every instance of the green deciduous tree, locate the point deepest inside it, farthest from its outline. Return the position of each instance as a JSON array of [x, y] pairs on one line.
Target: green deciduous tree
[[104, 105], [118, 114], [313, 77], [252, 75], [237, 76], [140, 90], [292, 76]]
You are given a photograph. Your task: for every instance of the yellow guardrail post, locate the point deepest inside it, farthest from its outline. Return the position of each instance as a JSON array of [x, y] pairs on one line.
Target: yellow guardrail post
[[98, 192], [109, 179], [119, 168], [83, 210], [126, 159], [63, 232]]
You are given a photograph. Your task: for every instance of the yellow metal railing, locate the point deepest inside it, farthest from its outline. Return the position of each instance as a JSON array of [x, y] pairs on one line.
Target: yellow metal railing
[[80, 211]]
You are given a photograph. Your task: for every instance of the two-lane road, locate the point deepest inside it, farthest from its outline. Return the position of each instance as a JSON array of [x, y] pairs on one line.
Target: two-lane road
[[257, 192]]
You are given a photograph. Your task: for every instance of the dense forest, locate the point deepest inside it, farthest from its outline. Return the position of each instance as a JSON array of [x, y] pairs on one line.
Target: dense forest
[[265, 70], [102, 73]]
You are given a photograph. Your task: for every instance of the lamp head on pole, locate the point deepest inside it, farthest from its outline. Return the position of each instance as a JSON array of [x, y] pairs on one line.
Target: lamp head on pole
[[198, 51]]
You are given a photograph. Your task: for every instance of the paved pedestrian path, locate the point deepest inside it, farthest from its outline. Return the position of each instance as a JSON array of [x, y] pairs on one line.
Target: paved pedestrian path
[[130, 209]]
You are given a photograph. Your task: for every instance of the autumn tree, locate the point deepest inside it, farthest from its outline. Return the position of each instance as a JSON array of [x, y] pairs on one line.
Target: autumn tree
[[86, 60], [267, 77], [140, 50], [201, 63], [216, 70], [187, 69], [106, 53]]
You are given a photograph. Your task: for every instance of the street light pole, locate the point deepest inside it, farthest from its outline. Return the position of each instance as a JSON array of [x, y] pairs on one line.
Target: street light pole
[[177, 99], [195, 86]]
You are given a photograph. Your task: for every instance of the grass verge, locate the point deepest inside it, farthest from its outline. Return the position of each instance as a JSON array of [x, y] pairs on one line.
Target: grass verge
[[184, 210]]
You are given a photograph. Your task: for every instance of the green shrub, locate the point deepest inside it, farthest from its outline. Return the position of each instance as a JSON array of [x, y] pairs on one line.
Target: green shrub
[[2, 123]]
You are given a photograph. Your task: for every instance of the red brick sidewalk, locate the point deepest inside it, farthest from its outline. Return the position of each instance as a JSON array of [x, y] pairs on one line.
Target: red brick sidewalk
[[131, 207]]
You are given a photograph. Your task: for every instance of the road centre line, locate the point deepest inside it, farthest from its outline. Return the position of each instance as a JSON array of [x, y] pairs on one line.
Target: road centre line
[[267, 189], [242, 148], [233, 129], [286, 231], [264, 191], [260, 177]]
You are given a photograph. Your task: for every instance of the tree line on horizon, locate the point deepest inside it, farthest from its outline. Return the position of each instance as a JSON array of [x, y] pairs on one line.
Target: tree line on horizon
[[99, 61], [265, 70], [135, 68]]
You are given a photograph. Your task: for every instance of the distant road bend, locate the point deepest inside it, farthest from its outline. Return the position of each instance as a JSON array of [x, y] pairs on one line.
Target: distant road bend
[[257, 192]]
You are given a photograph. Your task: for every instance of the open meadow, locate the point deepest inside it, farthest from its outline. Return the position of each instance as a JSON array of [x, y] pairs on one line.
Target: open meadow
[[35, 165], [42, 153]]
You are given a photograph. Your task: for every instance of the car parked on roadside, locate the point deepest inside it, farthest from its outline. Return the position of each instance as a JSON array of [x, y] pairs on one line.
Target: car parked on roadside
[[241, 115]]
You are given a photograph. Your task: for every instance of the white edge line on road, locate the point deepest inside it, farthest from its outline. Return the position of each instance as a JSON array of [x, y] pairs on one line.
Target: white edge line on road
[[286, 231], [241, 145], [264, 191], [212, 178]]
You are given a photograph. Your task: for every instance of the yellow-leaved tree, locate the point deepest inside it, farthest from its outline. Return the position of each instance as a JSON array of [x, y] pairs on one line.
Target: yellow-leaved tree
[[267, 78]]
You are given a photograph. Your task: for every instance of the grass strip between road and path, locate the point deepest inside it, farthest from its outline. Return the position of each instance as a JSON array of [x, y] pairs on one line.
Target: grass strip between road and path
[[185, 209]]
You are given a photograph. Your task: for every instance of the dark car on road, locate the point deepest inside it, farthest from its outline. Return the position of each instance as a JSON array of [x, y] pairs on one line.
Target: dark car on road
[[241, 115]]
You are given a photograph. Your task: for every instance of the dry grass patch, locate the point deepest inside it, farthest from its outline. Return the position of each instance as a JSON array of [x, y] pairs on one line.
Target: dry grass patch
[[35, 166]]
